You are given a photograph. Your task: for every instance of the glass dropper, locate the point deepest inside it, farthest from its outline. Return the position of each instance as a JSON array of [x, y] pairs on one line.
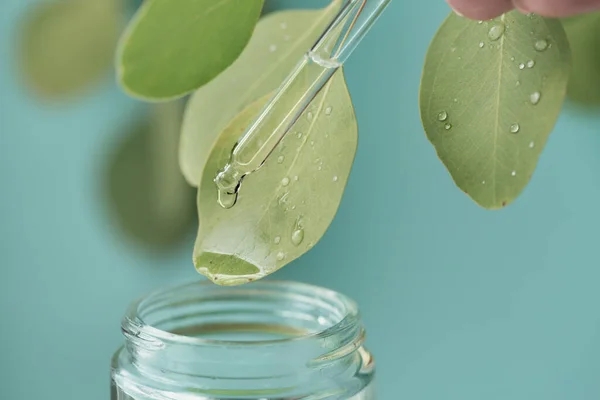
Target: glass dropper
[[311, 74]]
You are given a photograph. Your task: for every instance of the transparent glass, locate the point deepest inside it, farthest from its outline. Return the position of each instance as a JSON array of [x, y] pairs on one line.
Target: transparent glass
[[262, 341]]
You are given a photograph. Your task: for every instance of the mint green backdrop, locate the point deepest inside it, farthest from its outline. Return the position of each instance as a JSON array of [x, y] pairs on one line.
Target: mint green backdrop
[[460, 303]]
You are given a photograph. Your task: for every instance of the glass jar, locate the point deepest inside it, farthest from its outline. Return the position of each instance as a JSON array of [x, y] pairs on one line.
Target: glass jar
[[261, 341]]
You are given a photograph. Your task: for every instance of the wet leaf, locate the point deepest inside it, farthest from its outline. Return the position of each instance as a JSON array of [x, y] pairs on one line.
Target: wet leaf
[[584, 38], [66, 46], [149, 198], [491, 93], [174, 47], [285, 207], [278, 43]]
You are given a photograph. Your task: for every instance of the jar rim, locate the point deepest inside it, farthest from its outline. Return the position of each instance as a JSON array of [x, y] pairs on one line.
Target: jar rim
[[347, 323]]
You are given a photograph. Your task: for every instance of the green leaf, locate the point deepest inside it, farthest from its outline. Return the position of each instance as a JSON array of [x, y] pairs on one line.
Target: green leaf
[[491, 93], [278, 43], [174, 47], [285, 207], [584, 38], [150, 200], [67, 46]]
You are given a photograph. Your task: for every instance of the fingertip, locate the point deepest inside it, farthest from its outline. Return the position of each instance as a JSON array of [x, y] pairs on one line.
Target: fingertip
[[480, 10]]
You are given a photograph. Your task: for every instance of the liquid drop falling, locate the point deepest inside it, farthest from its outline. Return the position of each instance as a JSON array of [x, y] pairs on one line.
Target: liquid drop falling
[[277, 239], [328, 111], [227, 200], [280, 256], [285, 181], [442, 116], [530, 64], [515, 128], [280, 159], [496, 31], [297, 237], [541, 45], [534, 98], [448, 127]]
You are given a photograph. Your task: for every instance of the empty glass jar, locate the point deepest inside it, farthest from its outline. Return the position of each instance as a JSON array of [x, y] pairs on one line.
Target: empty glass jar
[[262, 341]]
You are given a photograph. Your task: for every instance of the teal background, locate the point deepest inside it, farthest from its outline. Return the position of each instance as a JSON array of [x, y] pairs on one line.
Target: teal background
[[460, 303]]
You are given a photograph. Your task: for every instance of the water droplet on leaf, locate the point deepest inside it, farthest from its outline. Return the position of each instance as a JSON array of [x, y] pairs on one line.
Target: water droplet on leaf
[[285, 181], [531, 145], [521, 66], [496, 31], [515, 128], [299, 135], [448, 127], [277, 239], [297, 237], [481, 44], [272, 48], [541, 45], [335, 178], [530, 64], [280, 159], [328, 111], [309, 116], [534, 98], [283, 25], [442, 116], [280, 256], [514, 173]]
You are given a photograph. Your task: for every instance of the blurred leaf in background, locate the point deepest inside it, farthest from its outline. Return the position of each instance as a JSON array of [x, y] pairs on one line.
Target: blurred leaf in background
[[68, 46], [584, 37], [147, 194], [174, 47]]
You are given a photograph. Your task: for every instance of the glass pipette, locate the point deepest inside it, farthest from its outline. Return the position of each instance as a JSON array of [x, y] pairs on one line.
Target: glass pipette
[[312, 73]]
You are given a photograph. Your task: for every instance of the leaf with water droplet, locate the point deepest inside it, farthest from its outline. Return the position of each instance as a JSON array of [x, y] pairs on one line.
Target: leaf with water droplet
[[255, 73], [481, 144], [584, 38], [149, 199], [67, 46], [270, 204], [174, 47]]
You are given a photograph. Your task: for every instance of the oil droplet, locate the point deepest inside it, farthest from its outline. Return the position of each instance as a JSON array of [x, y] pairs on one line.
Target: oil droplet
[[481, 44], [299, 135], [442, 116], [277, 239], [280, 256], [541, 45], [328, 111], [531, 145], [530, 64], [309, 116], [285, 181], [448, 127], [272, 48], [227, 200], [496, 31], [534, 98], [515, 128], [280, 159], [514, 173], [521, 66], [283, 25], [335, 178], [297, 237]]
